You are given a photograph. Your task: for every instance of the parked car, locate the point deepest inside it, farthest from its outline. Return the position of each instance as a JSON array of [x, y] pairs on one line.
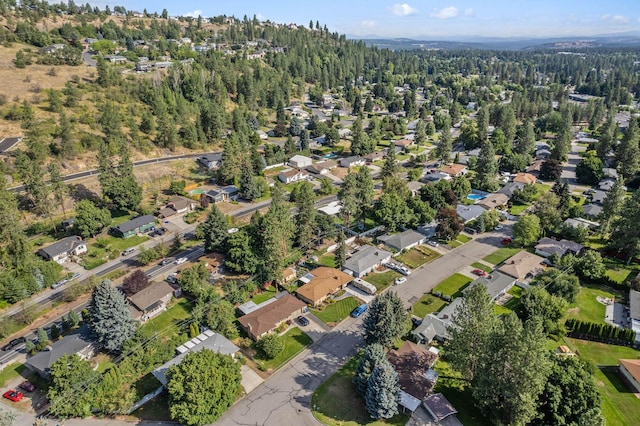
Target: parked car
[[13, 343], [498, 228], [172, 278], [359, 310], [302, 321], [479, 272], [27, 386], [165, 262], [181, 260], [433, 243], [404, 270], [75, 276], [506, 241], [128, 251], [13, 395], [59, 283], [400, 280]]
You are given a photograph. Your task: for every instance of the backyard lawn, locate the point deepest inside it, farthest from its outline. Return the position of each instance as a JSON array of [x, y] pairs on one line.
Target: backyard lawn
[[418, 256], [500, 255], [427, 304], [517, 209], [453, 285], [266, 294], [587, 307], [335, 402], [458, 395], [169, 320], [333, 313], [381, 280], [295, 340], [508, 307], [328, 259]]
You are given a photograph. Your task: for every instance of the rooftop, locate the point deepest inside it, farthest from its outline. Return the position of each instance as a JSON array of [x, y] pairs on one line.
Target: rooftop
[[439, 407], [365, 258], [150, 295], [412, 362], [526, 178], [64, 245], [266, 318], [496, 283], [634, 304], [453, 170], [135, 223], [633, 367], [324, 281], [551, 246], [522, 265], [402, 240], [68, 345]]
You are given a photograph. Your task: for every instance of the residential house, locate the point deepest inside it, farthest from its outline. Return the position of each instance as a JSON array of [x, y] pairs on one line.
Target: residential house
[[177, 205], [597, 196], [80, 342], [522, 266], [352, 161], [67, 224], [606, 184], [374, 156], [435, 326], [439, 407], [526, 178], [331, 209], [414, 187], [535, 167], [634, 312], [269, 317], [591, 210], [610, 172], [116, 59], [365, 260], [469, 213], [293, 175], [404, 143], [435, 176], [548, 246], [206, 340], [428, 229], [321, 283], [416, 378], [493, 201], [497, 284], [322, 167], [151, 301], [138, 225], [53, 48], [61, 250], [579, 222], [300, 161], [630, 370], [454, 170], [210, 161], [226, 193], [403, 241], [510, 188], [344, 133]]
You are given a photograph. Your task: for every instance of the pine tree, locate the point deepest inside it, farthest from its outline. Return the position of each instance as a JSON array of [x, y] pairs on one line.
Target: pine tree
[[390, 165], [383, 391], [372, 356], [305, 218], [111, 320], [341, 251], [386, 320], [215, 230], [486, 168], [444, 146]]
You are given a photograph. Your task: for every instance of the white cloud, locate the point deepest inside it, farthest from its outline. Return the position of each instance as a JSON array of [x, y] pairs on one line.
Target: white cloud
[[193, 14], [446, 13], [403, 9], [468, 12], [616, 19], [260, 17], [368, 24]]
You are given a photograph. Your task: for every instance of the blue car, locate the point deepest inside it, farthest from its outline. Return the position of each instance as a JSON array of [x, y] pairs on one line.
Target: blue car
[[359, 310]]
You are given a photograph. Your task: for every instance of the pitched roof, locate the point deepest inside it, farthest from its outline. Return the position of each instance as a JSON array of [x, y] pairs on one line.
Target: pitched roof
[[293, 172], [7, 143], [299, 158], [536, 166], [453, 169], [633, 367], [150, 295], [365, 258], [493, 201], [68, 345], [64, 245], [268, 317], [525, 178], [593, 210], [402, 240], [468, 213], [412, 362], [178, 202], [634, 304], [510, 188], [322, 165], [438, 406], [551, 246], [324, 282], [135, 223], [522, 264], [496, 283], [403, 142]]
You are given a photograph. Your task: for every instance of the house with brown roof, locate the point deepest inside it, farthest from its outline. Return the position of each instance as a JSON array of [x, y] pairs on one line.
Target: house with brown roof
[[404, 143], [269, 316], [526, 178], [415, 376], [151, 301], [630, 370], [454, 170], [439, 407], [321, 283], [493, 201], [322, 167], [177, 205], [522, 266], [293, 175]]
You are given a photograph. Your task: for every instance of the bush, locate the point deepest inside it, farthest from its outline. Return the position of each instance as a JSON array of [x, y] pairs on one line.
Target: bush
[[271, 345]]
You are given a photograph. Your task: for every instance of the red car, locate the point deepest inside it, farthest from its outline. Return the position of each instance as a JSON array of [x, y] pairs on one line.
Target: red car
[[479, 272], [27, 386], [506, 241], [12, 395]]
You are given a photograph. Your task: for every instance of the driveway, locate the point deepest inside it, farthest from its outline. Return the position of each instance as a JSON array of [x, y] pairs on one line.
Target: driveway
[[316, 328]]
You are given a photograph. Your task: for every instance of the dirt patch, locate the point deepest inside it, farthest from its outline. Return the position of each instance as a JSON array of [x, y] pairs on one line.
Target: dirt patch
[[340, 172]]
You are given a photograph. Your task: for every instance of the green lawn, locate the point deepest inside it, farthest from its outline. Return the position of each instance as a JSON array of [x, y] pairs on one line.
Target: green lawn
[[335, 402], [454, 243], [295, 340], [381, 280], [517, 209], [617, 274], [266, 294], [453, 285], [417, 257], [587, 308], [456, 392], [595, 242], [427, 304], [513, 303], [333, 313], [11, 372], [500, 255], [170, 320], [463, 238], [328, 259], [482, 266]]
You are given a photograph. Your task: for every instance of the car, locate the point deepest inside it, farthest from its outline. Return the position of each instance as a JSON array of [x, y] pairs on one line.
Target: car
[[404, 270], [400, 280], [75, 276], [479, 272], [165, 262], [506, 241], [302, 321], [59, 283], [181, 260], [27, 386], [433, 243], [172, 278], [13, 343], [128, 251], [359, 310], [12, 395], [498, 228]]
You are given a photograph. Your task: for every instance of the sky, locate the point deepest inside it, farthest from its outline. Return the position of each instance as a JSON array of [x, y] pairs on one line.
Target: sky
[[423, 18]]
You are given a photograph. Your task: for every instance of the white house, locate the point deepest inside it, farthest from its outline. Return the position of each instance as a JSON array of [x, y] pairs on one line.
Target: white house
[[61, 250], [300, 161], [294, 175], [365, 260], [352, 161]]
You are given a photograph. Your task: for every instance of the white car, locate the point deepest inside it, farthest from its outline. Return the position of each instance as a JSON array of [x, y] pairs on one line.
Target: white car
[[498, 228], [181, 260], [433, 243], [400, 280], [404, 270]]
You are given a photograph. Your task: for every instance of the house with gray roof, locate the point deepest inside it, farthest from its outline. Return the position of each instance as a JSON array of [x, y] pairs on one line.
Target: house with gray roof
[[8, 143], [365, 260], [138, 225], [403, 241], [435, 326], [352, 161], [61, 250], [579, 222], [226, 193], [497, 284], [548, 246], [634, 312], [210, 161], [469, 213], [591, 210], [510, 188]]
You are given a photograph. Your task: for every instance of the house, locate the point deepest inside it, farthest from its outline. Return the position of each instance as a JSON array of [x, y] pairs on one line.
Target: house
[[634, 312], [151, 301], [138, 225], [8, 143], [510, 188], [435, 326], [226, 193], [526, 178], [293, 175], [522, 266], [497, 284], [630, 370], [548, 246], [438, 407], [454, 170], [321, 283], [300, 161], [116, 59], [374, 156], [268, 317], [416, 378], [322, 167], [606, 184], [435, 177], [365, 260], [428, 229], [210, 161], [578, 222], [414, 187], [80, 343], [404, 143], [469, 213], [206, 340], [403, 241], [535, 167], [493, 201], [352, 161], [610, 172], [177, 205], [331, 209], [591, 210], [67, 224], [61, 250]]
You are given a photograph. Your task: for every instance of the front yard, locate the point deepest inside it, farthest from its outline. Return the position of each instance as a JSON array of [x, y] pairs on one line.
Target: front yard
[[427, 304], [500, 255], [169, 321], [418, 256], [295, 340], [107, 248], [382, 280], [453, 285], [332, 313]]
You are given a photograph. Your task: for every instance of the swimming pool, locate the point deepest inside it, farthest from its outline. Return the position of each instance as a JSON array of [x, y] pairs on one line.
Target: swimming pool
[[475, 197], [330, 156]]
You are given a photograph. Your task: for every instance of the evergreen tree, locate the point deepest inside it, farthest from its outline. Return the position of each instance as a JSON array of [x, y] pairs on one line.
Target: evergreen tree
[[386, 320], [111, 320], [626, 232], [215, 230], [628, 152], [390, 167], [383, 391], [347, 198], [612, 205], [305, 218], [486, 169], [444, 146], [341, 250], [372, 356], [364, 192]]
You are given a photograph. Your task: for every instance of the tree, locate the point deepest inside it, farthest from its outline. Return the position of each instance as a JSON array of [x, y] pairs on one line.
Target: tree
[[90, 219], [551, 169], [383, 391], [43, 339], [589, 169], [176, 187], [537, 302], [626, 232], [341, 250], [590, 265], [372, 356], [527, 230], [202, 387], [111, 320], [220, 318], [215, 230], [547, 210], [390, 166], [305, 218], [486, 169], [71, 387], [332, 137], [628, 152], [421, 133], [271, 345], [559, 283], [444, 146], [386, 320], [347, 198], [195, 280], [240, 256], [58, 187], [73, 319], [612, 205], [135, 282], [525, 139], [364, 192], [392, 211], [449, 224]]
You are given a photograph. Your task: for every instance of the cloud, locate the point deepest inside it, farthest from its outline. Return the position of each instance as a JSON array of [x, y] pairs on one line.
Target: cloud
[[446, 13], [260, 17], [616, 19], [368, 24], [468, 12], [403, 9], [193, 14]]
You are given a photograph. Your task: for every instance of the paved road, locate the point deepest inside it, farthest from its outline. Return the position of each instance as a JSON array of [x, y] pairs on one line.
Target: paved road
[[87, 58], [285, 399]]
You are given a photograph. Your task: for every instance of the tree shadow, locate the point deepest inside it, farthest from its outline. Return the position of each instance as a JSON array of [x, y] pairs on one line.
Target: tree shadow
[[80, 192], [613, 375]]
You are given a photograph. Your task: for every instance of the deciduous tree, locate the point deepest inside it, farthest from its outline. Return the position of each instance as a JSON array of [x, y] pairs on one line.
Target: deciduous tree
[[71, 388], [90, 219], [527, 230]]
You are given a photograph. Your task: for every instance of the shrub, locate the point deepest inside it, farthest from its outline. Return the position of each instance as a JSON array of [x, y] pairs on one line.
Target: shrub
[[271, 345]]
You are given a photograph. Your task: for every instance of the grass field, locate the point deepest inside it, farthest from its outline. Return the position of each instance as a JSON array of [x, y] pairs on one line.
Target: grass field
[[517, 209], [328, 259], [500, 255], [458, 395], [382, 280], [333, 313], [11, 372], [453, 285], [417, 257], [454, 243], [266, 294], [482, 266], [335, 402], [295, 340], [170, 319], [427, 304], [463, 238], [587, 308], [513, 303]]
